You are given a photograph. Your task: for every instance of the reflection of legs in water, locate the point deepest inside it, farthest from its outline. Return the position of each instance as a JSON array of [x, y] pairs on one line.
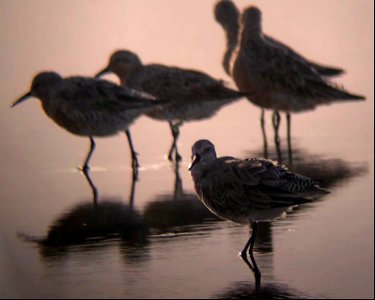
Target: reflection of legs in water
[[175, 133], [92, 185], [134, 154], [276, 126], [249, 247], [178, 191], [95, 193], [265, 144], [288, 125], [85, 166], [132, 189]]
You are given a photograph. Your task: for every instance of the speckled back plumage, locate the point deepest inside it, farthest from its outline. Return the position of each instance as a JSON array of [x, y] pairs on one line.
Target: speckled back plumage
[[237, 189]]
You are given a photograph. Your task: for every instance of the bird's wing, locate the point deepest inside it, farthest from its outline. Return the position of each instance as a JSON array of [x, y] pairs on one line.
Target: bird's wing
[[279, 70], [321, 69], [276, 178], [89, 94], [234, 182], [180, 84]]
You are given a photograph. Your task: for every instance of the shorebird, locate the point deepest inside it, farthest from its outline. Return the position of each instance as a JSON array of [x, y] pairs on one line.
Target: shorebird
[[228, 16], [193, 95], [88, 107], [247, 191], [277, 77]]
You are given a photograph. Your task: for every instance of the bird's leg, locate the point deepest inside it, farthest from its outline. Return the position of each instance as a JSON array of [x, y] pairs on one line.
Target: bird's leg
[[265, 144], [85, 166], [290, 153], [256, 271], [276, 126], [254, 230], [170, 154], [134, 154], [178, 157], [243, 254], [175, 133]]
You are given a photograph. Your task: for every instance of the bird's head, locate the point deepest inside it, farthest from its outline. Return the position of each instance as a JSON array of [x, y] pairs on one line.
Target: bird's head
[[42, 84], [121, 63], [203, 151]]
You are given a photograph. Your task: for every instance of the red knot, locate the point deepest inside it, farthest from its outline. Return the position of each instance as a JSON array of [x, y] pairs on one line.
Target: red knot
[[247, 191], [88, 107], [193, 95]]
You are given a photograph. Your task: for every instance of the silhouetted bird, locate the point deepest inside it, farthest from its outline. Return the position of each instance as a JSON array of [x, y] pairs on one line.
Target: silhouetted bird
[[276, 76], [194, 95], [88, 107], [228, 16]]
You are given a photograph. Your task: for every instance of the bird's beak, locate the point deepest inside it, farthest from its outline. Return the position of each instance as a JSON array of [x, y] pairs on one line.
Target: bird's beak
[[102, 72], [23, 98], [196, 159]]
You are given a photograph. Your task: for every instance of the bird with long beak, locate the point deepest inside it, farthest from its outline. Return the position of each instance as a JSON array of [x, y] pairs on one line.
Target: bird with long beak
[[88, 107]]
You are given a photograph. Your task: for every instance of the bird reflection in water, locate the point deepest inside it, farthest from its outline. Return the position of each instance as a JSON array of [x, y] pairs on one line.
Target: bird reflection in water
[[91, 222], [244, 290], [176, 211]]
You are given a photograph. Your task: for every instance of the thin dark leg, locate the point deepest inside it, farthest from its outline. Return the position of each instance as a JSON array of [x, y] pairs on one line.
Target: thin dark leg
[[92, 186], [243, 254], [249, 247], [290, 152], [134, 154], [276, 126], [175, 133], [85, 166], [257, 273], [132, 190], [170, 154], [262, 125]]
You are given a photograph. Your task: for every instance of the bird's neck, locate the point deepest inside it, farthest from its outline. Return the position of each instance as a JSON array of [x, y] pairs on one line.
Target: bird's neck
[[250, 34], [129, 75], [231, 30]]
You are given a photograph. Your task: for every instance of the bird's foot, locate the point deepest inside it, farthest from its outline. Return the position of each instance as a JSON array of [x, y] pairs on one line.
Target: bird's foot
[[135, 174], [84, 168]]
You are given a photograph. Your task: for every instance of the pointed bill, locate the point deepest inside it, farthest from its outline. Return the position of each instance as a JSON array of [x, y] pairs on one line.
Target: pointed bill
[[196, 160], [102, 72], [22, 99]]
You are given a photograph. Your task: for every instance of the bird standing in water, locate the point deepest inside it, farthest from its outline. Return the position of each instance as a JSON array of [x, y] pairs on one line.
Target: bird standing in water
[[247, 191], [193, 95], [88, 107], [276, 76]]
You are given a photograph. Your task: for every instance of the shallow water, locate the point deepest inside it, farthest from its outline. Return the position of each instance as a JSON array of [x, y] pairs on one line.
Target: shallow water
[[152, 237]]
